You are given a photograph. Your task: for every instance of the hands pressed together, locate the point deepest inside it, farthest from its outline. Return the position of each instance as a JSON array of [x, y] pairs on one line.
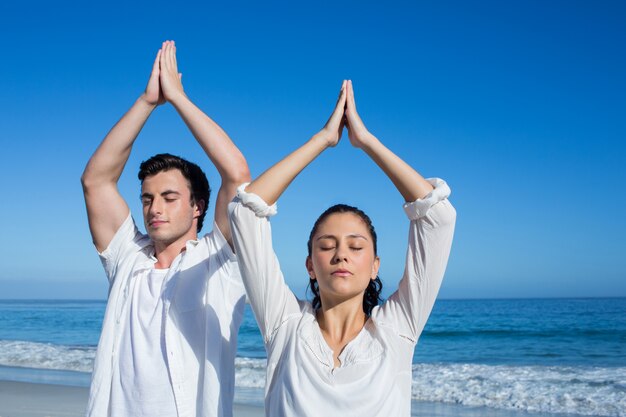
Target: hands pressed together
[[345, 115], [165, 85], [165, 81]]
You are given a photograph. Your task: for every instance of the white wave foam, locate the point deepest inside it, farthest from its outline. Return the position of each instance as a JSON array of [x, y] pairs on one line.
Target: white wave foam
[[587, 391], [46, 356], [250, 373], [557, 389]]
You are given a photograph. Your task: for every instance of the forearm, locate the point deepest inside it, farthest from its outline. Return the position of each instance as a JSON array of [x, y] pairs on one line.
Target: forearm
[[107, 162], [218, 146], [409, 182], [273, 182]]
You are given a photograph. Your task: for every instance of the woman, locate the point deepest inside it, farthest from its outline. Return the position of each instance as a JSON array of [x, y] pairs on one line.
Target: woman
[[342, 354]]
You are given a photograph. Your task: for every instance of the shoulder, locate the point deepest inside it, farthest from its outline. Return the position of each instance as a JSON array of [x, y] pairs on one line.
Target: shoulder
[[214, 243], [127, 247], [127, 238]]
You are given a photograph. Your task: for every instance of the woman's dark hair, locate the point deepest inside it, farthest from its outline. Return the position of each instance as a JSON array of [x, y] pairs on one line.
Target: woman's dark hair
[[198, 183], [371, 298]]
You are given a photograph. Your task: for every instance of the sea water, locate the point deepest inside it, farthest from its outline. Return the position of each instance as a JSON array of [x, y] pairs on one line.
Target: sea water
[[547, 355]]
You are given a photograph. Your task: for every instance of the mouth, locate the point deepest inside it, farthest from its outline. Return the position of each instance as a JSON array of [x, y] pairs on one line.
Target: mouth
[[341, 273], [156, 223]]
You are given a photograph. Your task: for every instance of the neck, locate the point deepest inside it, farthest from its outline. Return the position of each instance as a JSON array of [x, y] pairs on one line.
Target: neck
[[343, 320], [167, 252]]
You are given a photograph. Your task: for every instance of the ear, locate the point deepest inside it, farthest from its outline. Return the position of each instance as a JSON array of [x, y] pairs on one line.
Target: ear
[[309, 267], [199, 208], [375, 268]]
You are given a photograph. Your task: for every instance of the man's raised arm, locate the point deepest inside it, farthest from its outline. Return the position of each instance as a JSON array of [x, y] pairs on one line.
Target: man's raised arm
[[226, 157], [106, 209]]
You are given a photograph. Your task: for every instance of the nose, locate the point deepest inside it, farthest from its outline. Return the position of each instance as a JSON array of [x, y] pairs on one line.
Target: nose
[[156, 207], [341, 254]]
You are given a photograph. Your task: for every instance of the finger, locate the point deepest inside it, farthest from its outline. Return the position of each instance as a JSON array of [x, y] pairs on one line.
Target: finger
[[174, 53], [163, 54], [342, 91], [166, 45], [341, 100], [168, 53], [165, 49], [340, 108], [337, 115], [171, 57], [156, 64], [351, 101]]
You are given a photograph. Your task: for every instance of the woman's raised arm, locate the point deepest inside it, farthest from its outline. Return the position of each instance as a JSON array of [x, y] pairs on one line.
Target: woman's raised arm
[[430, 236], [273, 182], [411, 185]]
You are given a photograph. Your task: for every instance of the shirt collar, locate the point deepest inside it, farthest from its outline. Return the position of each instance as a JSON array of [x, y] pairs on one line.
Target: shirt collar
[[190, 245]]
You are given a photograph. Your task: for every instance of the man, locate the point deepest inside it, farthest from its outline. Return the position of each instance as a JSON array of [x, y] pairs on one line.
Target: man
[[175, 304]]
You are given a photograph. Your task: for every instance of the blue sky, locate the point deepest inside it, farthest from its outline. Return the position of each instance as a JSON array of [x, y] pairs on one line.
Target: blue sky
[[520, 106]]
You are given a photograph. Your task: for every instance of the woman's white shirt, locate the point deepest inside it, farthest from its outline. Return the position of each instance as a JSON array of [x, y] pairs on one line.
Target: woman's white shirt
[[374, 376]]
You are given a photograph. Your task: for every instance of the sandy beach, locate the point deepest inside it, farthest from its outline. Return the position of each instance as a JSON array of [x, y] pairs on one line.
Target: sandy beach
[[24, 399]]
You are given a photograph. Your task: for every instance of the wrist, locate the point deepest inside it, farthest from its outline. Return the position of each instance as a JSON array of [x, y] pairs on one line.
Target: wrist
[[321, 137], [178, 98], [368, 141], [145, 102], [324, 139]]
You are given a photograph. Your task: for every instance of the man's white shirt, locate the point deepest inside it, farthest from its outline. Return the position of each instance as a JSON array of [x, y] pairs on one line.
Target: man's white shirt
[[200, 303]]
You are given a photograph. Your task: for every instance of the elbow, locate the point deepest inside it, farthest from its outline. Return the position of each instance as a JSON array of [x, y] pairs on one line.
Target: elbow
[[86, 180], [90, 180], [243, 175], [239, 173], [88, 177]]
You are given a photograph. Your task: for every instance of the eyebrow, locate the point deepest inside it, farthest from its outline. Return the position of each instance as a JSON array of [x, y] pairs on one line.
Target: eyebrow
[[164, 193], [169, 192], [351, 235]]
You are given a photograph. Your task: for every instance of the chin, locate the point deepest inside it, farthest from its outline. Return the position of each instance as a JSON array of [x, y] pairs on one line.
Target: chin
[[347, 293], [159, 236]]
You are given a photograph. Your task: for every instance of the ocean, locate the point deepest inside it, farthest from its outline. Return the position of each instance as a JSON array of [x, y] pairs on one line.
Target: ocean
[[534, 355]]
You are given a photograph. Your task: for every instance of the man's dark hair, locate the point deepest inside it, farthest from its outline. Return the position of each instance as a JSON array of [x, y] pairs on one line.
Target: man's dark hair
[[371, 298], [198, 183]]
